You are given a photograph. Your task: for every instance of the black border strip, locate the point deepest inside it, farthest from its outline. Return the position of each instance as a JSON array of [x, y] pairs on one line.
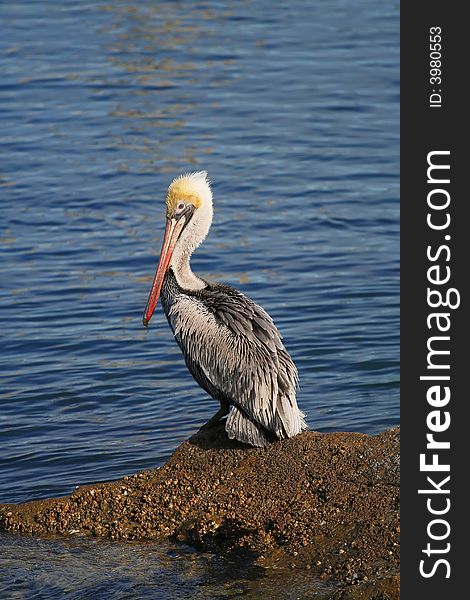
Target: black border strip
[[429, 127]]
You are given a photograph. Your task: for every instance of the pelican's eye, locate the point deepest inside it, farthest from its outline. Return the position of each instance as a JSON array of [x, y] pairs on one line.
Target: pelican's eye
[[180, 206]]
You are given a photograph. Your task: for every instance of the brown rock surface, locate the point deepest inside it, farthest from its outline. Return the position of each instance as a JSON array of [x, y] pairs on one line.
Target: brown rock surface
[[325, 502]]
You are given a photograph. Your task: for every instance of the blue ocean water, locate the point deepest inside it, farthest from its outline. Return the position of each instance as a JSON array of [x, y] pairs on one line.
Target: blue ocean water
[[293, 110]]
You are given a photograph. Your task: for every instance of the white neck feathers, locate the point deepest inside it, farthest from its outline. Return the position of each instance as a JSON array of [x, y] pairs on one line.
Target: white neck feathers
[[193, 234]]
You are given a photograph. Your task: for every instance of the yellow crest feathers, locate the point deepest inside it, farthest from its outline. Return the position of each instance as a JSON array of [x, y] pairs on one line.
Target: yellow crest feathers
[[190, 187]]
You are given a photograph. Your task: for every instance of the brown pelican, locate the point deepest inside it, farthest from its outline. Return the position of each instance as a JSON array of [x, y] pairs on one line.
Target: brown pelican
[[230, 344]]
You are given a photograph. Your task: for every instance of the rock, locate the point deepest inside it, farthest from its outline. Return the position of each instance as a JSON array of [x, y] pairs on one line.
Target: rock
[[325, 502]]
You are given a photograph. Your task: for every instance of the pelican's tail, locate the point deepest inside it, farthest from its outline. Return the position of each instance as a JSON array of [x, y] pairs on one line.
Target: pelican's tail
[[289, 420], [243, 429], [287, 424]]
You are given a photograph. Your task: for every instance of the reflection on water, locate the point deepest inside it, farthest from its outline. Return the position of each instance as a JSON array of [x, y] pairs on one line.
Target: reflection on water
[[156, 51], [69, 569], [293, 110]]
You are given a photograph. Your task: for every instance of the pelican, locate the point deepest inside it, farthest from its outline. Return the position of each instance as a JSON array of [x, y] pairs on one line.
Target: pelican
[[230, 344]]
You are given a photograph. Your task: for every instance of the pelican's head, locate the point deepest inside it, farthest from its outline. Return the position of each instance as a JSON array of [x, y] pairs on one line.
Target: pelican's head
[[188, 219]]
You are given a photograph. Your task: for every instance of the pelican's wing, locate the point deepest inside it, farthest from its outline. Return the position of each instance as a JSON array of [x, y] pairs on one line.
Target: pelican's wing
[[231, 342]]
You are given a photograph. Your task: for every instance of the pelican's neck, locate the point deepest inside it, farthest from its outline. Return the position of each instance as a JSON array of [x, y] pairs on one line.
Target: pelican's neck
[[193, 235], [182, 269], [195, 186]]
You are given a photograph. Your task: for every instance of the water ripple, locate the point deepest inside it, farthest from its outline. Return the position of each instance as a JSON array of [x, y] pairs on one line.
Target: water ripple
[[293, 111]]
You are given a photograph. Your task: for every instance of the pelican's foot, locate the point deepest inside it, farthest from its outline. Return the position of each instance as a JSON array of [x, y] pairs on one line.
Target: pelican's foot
[[220, 414]]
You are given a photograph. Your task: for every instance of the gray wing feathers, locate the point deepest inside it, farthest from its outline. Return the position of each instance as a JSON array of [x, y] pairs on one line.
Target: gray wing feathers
[[240, 428], [240, 351]]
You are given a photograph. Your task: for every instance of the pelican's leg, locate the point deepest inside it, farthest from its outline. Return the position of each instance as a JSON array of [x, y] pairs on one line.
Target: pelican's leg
[[222, 412]]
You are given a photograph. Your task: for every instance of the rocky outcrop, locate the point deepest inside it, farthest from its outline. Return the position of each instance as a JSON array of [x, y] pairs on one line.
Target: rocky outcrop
[[324, 502]]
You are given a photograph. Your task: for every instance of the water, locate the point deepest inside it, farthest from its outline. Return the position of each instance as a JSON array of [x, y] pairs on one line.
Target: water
[[293, 110], [66, 569]]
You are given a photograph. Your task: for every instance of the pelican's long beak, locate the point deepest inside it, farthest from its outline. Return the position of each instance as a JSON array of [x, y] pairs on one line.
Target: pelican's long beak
[[173, 230]]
